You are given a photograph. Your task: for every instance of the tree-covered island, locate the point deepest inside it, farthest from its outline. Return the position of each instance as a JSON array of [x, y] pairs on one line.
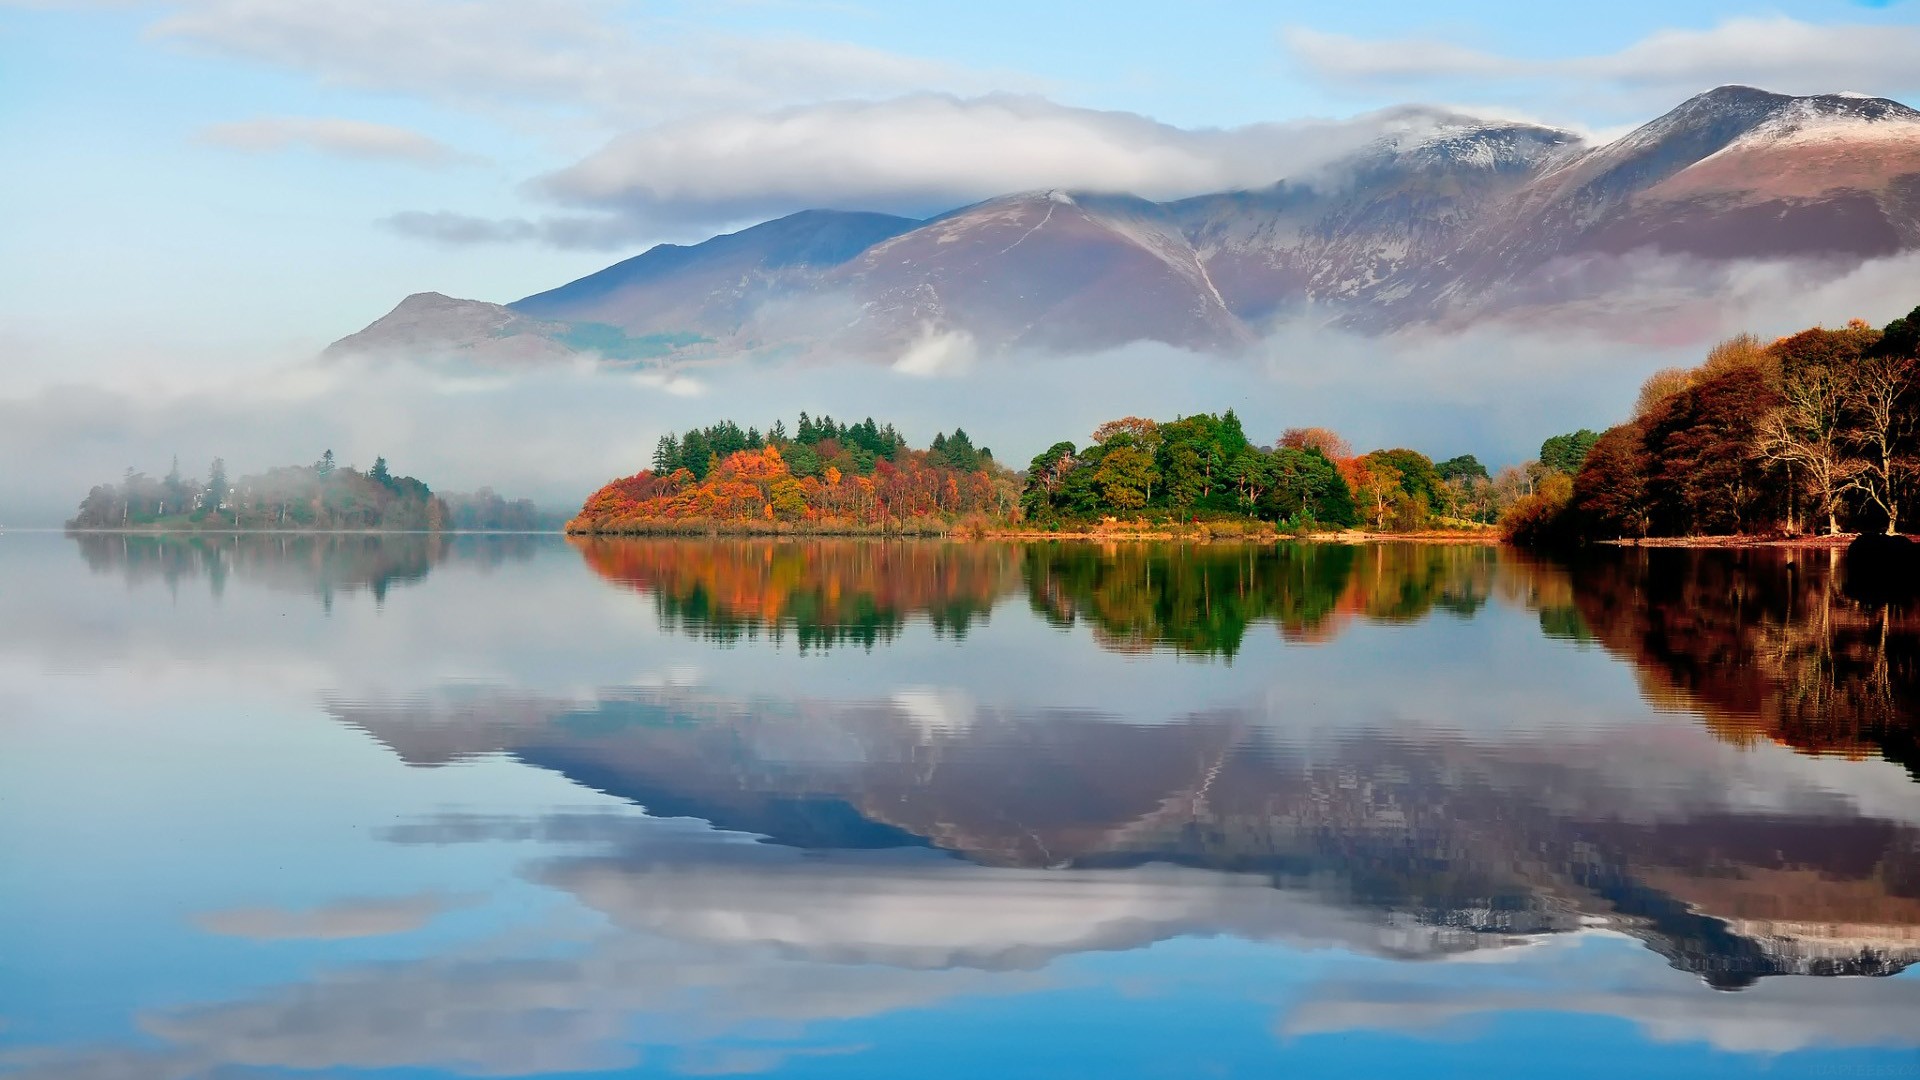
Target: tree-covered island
[[318, 497]]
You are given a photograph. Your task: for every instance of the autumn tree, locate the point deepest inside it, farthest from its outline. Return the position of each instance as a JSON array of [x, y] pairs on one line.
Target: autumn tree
[[1325, 440], [1659, 387], [1736, 352], [1710, 476], [1375, 485], [1880, 418], [1541, 519], [1806, 434], [1143, 432], [1610, 490]]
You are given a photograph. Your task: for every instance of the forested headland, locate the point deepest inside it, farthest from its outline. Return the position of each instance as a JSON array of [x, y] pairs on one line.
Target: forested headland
[[1814, 433], [322, 496], [823, 475], [1193, 472]]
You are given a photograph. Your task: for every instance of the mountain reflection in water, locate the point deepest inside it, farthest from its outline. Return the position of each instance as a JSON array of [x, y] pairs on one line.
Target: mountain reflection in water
[[864, 808], [1468, 838]]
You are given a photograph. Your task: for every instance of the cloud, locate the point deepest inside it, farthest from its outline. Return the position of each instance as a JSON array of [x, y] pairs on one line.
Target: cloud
[[572, 54], [1777, 53], [1605, 978], [608, 1003], [352, 918], [601, 232], [913, 912], [928, 152], [342, 138], [937, 353]]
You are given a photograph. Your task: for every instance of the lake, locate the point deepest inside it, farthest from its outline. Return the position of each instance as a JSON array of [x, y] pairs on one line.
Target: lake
[[410, 806]]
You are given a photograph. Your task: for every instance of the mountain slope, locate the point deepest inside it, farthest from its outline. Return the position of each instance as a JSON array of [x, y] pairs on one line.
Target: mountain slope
[[430, 325], [1045, 269], [715, 287], [1351, 236]]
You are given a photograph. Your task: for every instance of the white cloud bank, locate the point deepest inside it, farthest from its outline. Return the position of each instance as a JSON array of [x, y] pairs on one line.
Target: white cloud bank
[[1776, 53], [575, 55], [342, 138], [929, 152]]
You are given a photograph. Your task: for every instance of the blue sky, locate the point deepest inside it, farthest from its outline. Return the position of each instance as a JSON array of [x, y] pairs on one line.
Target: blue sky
[[228, 172]]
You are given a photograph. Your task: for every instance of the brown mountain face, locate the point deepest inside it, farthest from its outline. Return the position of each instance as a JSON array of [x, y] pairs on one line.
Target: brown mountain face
[[1464, 222], [1045, 269]]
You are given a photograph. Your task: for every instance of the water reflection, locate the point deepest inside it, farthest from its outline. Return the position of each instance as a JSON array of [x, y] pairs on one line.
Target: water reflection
[[1763, 644], [1194, 599], [1201, 599], [1430, 842], [524, 823], [319, 564], [825, 592]]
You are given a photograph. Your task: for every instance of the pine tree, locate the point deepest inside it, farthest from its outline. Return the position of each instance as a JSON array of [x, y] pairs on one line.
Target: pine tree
[[666, 455]]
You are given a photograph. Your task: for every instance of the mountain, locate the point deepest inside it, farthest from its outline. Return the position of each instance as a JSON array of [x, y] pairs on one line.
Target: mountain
[[1045, 269], [1465, 220], [432, 324], [714, 288]]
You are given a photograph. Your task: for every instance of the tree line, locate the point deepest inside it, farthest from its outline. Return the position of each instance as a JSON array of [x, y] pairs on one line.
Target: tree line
[[1816, 432], [1310, 478], [826, 476], [323, 495], [814, 446]]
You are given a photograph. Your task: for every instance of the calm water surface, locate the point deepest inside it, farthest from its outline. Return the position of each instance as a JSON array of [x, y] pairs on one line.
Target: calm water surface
[[509, 806]]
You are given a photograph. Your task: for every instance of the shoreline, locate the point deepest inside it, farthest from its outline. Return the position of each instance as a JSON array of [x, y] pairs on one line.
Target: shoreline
[[964, 534], [973, 534], [1809, 543], [139, 531]]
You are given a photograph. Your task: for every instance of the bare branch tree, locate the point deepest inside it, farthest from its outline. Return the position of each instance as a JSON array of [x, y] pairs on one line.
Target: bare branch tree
[[1807, 434], [1880, 428]]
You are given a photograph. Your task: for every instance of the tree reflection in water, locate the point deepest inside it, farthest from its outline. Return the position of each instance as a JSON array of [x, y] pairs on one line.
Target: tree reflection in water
[[1762, 644], [319, 564]]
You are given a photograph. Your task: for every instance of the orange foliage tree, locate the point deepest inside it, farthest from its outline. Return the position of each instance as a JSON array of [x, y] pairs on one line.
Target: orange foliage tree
[[756, 489]]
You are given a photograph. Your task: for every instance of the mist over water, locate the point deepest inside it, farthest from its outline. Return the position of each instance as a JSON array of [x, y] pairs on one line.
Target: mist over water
[[554, 434]]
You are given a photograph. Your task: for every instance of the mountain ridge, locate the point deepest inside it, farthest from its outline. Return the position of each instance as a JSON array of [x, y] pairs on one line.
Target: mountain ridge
[[1461, 221]]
